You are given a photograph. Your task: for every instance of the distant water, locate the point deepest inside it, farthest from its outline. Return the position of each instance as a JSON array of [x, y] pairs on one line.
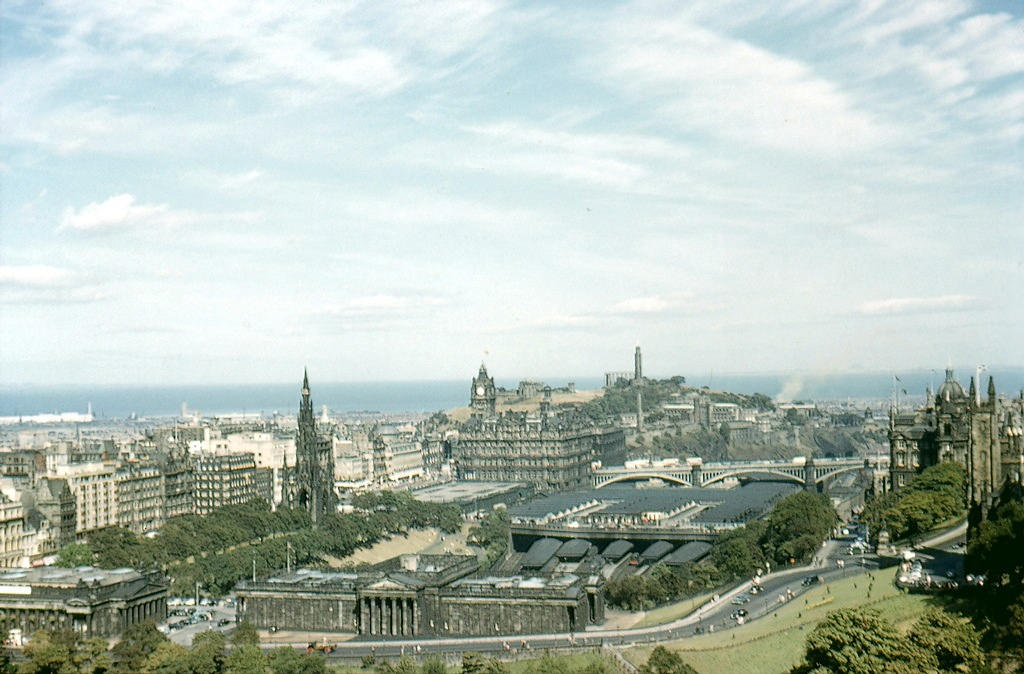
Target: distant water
[[431, 396]]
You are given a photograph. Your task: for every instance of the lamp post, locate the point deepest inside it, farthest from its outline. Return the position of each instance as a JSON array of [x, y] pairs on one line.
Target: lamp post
[[198, 585]]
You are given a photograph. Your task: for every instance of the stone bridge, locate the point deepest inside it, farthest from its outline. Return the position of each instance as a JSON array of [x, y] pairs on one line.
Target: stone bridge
[[811, 473]]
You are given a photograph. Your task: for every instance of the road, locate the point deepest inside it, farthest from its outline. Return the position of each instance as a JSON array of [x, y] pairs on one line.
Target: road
[[940, 553], [185, 635]]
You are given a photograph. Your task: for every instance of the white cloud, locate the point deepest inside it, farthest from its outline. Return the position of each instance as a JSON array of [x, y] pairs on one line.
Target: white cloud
[[117, 211], [376, 305], [920, 305], [237, 180], [45, 284], [642, 305], [34, 276], [700, 79], [122, 212]]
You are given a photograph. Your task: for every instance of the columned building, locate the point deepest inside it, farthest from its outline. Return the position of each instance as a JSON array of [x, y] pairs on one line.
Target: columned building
[[90, 602], [422, 595]]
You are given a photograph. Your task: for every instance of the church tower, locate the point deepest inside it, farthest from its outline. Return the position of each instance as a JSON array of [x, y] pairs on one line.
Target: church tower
[[483, 396], [984, 460], [314, 483]]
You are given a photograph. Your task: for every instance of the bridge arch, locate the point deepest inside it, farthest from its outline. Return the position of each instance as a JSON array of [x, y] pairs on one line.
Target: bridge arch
[[632, 477], [825, 477], [739, 473]]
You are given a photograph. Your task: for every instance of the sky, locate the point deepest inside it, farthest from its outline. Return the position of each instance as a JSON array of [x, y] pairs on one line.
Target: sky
[[218, 192]]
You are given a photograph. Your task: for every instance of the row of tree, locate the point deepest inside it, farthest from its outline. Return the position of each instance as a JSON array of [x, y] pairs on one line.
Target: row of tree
[[934, 496], [492, 534], [790, 534], [216, 551]]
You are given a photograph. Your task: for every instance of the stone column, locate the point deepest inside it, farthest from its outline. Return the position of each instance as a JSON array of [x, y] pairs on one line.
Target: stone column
[[414, 629], [392, 616], [405, 617]]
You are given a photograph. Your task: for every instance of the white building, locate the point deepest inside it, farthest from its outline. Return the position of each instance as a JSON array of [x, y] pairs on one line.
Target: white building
[[93, 485]]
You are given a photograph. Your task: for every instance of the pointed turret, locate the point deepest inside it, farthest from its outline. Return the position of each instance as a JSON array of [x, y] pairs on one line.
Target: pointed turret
[[305, 381], [972, 393], [991, 389]]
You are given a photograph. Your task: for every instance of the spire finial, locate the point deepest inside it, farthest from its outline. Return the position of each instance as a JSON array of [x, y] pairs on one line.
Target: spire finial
[[305, 379]]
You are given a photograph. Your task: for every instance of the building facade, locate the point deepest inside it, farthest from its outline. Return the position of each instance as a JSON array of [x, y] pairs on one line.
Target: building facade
[[138, 489], [483, 395], [552, 452], [90, 602], [223, 479], [422, 595], [985, 436]]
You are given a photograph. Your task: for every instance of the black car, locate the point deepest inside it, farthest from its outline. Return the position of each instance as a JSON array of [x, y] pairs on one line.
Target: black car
[[810, 580]]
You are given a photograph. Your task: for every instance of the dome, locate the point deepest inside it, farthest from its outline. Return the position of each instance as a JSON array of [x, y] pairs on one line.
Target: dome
[[951, 388]]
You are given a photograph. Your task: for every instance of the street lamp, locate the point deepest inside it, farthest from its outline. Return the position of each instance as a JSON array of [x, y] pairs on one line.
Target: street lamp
[[198, 585]]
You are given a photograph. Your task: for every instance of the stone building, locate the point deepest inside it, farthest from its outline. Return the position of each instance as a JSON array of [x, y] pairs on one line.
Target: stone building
[[313, 486], [985, 436], [95, 495], [551, 451], [13, 542], [483, 396], [429, 595], [53, 500], [223, 479], [90, 602], [138, 489], [397, 454]]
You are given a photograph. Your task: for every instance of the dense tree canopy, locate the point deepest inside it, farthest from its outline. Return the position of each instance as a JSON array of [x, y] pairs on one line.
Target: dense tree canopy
[[861, 641], [218, 550], [793, 530], [929, 499]]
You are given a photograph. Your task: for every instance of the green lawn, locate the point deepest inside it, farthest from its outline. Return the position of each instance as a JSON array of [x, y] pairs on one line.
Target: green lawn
[[775, 644], [670, 612]]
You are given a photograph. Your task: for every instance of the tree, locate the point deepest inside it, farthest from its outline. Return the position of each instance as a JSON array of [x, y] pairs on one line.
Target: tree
[[74, 554], [859, 641], [951, 644], [474, 663], [246, 659], [286, 660], [45, 654], [663, 661], [136, 645], [168, 658], [207, 654], [245, 635], [434, 665]]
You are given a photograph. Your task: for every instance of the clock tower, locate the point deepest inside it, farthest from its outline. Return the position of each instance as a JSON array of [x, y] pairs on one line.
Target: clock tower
[[482, 394]]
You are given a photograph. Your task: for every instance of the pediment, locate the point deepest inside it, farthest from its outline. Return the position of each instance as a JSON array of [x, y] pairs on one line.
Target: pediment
[[388, 584]]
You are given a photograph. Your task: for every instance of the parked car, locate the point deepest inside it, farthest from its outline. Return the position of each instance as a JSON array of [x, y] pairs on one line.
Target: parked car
[[224, 621], [741, 599], [810, 580], [739, 613]]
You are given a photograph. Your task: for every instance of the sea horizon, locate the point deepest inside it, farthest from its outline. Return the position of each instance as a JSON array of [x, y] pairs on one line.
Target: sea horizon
[[424, 396]]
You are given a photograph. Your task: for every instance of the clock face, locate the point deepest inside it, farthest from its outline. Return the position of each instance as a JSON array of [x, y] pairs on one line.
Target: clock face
[[479, 390]]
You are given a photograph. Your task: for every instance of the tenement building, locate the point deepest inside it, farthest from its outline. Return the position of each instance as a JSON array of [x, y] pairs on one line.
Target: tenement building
[[985, 436], [223, 479], [552, 452], [428, 595], [90, 602]]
